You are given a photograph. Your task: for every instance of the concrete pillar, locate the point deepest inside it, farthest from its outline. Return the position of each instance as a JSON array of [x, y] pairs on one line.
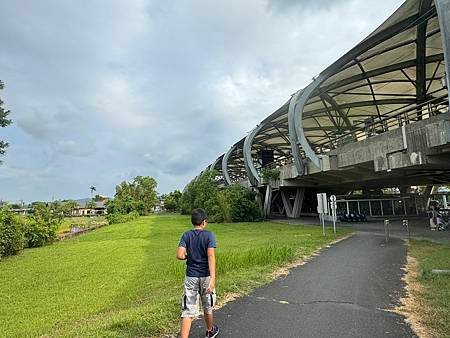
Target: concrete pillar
[[295, 210], [260, 201], [287, 204], [267, 201], [298, 203]]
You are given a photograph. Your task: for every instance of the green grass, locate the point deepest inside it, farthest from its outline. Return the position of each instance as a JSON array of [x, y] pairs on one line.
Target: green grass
[[124, 281], [435, 292], [82, 222]]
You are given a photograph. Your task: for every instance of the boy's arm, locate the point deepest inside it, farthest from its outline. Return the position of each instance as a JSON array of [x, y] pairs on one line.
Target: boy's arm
[[181, 253], [212, 269]]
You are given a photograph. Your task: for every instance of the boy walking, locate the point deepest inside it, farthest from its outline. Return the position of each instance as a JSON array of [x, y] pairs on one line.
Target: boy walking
[[197, 246]]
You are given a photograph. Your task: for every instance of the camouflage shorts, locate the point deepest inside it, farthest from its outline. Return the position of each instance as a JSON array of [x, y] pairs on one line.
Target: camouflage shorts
[[194, 291]]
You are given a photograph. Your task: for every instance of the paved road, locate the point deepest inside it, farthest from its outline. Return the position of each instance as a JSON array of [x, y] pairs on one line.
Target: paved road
[[343, 292], [419, 227]]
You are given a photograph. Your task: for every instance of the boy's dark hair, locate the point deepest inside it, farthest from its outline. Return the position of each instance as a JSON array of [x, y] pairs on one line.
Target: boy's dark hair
[[198, 216]]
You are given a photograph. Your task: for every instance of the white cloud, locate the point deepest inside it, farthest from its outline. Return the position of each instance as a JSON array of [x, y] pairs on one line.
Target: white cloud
[[120, 106]]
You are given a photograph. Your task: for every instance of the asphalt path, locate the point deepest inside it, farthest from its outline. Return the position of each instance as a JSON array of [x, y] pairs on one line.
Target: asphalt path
[[346, 291]]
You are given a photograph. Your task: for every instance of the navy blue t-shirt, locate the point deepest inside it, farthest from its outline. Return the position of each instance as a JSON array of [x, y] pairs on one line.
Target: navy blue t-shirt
[[197, 243]]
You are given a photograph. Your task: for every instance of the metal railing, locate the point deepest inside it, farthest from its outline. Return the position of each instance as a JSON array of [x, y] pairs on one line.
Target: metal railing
[[374, 125]]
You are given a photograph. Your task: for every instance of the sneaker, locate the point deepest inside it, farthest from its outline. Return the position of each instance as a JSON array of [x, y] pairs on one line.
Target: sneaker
[[213, 333]]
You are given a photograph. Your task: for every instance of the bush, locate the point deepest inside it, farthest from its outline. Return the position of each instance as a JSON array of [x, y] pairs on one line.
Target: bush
[[219, 208], [12, 237], [270, 174], [243, 206], [42, 225], [116, 217]]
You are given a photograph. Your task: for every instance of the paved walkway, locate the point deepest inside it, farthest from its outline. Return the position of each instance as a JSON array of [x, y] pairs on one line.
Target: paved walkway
[[346, 291], [419, 227]]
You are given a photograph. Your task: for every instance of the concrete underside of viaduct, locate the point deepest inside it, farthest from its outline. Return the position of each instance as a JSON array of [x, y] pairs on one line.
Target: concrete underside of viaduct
[[415, 154]]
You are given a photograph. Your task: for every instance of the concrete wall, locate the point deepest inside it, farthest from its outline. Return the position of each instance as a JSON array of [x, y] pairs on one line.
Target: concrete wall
[[399, 148]]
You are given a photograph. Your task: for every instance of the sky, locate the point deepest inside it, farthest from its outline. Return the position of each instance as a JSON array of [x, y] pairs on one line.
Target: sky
[[101, 91]]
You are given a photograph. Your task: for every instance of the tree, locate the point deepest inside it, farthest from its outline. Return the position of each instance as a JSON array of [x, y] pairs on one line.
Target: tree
[[92, 191], [99, 198], [200, 193], [4, 121], [229, 204], [139, 195], [172, 201]]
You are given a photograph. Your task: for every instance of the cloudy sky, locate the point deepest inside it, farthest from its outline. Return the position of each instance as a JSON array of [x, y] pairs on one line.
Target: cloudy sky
[[101, 91]]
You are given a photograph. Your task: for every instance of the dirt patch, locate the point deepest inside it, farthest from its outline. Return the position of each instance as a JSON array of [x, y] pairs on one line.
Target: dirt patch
[[229, 297], [413, 304]]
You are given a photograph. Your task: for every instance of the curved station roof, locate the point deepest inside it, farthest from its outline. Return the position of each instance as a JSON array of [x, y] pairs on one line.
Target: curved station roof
[[396, 75]]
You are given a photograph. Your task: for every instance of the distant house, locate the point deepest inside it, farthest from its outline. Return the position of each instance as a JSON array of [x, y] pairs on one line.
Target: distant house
[[18, 208], [84, 210], [22, 211], [159, 207]]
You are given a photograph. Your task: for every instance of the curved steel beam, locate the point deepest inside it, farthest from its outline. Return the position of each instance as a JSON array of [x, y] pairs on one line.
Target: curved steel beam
[[298, 119], [372, 91], [382, 70], [443, 11], [296, 155], [214, 164], [250, 169], [225, 158], [335, 106], [421, 54]]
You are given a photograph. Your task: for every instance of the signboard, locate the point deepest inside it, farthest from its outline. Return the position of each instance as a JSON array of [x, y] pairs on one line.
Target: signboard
[[322, 208], [322, 204], [333, 206]]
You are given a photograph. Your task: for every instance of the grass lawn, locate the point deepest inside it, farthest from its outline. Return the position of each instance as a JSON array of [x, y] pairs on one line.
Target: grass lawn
[[432, 295], [82, 222], [123, 280]]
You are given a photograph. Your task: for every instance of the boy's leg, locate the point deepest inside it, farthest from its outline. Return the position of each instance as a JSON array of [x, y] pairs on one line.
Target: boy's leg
[[186, 323], [208, 302], [209, 320], [189, 305]]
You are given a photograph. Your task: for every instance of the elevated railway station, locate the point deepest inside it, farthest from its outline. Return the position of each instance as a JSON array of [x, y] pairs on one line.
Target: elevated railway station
[[376, 118]]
